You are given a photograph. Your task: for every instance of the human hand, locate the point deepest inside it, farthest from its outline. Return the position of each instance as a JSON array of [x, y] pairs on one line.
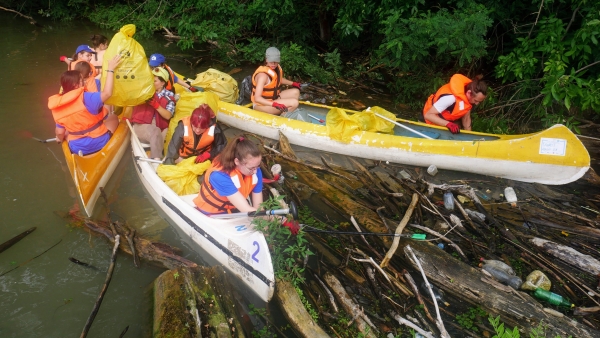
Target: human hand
[[63, 58], [153, 102], [281, 107], [193, 89], [453, 127], [297, 85], [293, 226], [114, 62], [202, 157]]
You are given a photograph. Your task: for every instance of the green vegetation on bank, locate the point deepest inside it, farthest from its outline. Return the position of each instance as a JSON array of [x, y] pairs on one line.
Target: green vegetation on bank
[[540, 57]]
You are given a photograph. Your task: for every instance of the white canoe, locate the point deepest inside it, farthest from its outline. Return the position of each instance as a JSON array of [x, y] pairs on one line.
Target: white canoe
[[232, 242], [552, 156]]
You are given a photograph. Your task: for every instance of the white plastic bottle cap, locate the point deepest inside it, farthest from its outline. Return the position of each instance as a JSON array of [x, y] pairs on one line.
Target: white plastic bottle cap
[[432, 170]]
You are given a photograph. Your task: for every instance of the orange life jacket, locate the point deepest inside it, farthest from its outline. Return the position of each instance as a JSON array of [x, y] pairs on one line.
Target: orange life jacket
[[90, 83], [455, 87], [204, 144], [272, 89], [69, 111], [171, 83], [209, 201]]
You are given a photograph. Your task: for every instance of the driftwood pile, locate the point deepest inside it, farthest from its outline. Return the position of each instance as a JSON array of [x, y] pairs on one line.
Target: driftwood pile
[[373, 283]]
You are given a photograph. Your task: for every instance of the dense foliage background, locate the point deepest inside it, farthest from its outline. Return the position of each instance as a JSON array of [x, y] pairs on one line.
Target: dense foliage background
[[541, 57]]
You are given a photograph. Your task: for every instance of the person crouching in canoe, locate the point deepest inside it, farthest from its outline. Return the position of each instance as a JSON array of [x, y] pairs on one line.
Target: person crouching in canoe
[[80, 116], [151, 120], [267, 95], [196, 135], [453, 102], [233, 176]]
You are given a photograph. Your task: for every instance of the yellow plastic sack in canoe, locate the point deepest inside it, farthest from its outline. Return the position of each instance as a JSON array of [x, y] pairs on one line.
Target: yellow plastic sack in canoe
[[342, 126], [183, 177], [189, 101], [219, 83], [134, 82]]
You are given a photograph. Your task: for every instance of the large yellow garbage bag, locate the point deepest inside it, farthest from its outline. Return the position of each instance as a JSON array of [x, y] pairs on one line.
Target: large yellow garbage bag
[[189, 101], [183, 177], [134, 82], [342, 126], [219, 83]]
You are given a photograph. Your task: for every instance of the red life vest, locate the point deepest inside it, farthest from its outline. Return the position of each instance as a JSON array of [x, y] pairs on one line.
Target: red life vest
[[209, 201], [272, 89], [144, 113], [204, 144], [69, 111], [455, 87], [90, 83]]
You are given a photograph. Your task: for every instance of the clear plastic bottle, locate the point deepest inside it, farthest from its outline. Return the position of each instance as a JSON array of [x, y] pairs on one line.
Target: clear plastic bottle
[[511, 196], [552, 298], [448, 201], [504, 278], [498, 265], [475, 215]]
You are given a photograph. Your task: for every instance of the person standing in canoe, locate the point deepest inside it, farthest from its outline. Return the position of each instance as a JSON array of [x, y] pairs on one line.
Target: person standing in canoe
[[80, 116], [158, 60], [196, 135], [453, 102], [100, 43], [151, 120], [233, 176], [267, 95]]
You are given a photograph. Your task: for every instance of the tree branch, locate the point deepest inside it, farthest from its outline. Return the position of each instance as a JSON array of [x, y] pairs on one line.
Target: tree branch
[[31, 21], [536, 19], [570, 22]]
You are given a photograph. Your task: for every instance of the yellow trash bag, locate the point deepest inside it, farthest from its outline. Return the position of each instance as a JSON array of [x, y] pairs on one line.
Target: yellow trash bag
[[134, 82], [189, 101], [219, 83], [183, 177], [343, 127]]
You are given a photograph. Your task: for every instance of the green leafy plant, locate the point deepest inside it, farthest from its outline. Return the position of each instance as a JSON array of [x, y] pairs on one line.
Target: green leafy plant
[[471, 318]]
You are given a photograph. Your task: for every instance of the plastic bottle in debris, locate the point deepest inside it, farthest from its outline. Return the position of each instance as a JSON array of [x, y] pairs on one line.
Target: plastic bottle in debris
[[432, 170], [448, 201], [503, 277], [552, 298], [511, 196], [500, 265], [475, 215]]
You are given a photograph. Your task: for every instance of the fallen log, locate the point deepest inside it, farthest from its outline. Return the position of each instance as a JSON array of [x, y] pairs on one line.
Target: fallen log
[[461, 279], [194, 302], [568, 255], [4, 246], [295, 312]]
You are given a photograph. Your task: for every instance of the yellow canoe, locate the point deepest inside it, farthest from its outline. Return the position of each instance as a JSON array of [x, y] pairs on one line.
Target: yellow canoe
[[92, 172], [552, 156]]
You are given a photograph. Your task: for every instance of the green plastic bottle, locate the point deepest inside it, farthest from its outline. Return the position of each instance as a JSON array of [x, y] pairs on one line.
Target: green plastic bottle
[[552, 298]]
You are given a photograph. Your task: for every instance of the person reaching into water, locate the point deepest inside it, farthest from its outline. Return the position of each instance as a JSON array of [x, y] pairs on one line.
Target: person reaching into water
[[267, 95], [233, 176], [100, 44], [196, 135], [151, 120], [158, 60], [80, 116], [453, 102]]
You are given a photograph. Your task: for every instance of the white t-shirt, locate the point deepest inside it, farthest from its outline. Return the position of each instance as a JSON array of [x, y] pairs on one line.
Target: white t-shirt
[[444, 102]]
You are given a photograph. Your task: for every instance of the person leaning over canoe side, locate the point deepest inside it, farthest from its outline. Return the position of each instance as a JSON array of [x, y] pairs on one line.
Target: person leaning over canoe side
[[267, 95], [80, 115], [196, 135], [151, 120], [453, 102], [158, 60], [100, 43], [233, 176]]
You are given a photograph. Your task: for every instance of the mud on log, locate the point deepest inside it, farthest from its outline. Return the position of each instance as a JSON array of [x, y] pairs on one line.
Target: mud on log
[[194, 302]]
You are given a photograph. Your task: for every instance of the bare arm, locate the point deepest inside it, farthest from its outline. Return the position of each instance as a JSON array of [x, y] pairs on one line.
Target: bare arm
[[466, 121], [183, 83], [110, 78], [286, 81], [257, 199], [164, 113], [60, 134], [432, 116], [241, 203]]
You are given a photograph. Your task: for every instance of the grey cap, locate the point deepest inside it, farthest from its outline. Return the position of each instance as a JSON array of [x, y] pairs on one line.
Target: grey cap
[[273, 55]]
